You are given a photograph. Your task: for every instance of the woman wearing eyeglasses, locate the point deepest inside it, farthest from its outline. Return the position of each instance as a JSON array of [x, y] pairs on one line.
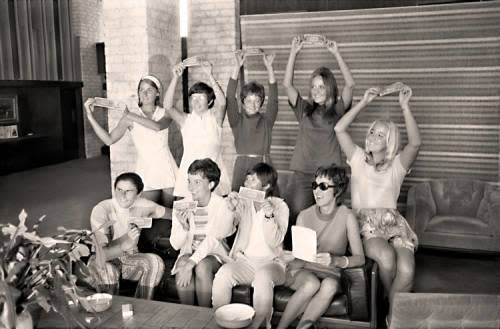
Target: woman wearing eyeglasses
[[316, 283]]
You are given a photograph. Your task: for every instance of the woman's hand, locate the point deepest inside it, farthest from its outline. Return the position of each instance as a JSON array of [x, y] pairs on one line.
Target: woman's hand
[[324, 258], [297, 44], [332, 47], [268, 208], [184, 273], [233, 201], [178, 69], [404, 97], [239, 57], [207, 68], [370, 94], [89, 107], [132, 237], [183, 218], [268, 60]]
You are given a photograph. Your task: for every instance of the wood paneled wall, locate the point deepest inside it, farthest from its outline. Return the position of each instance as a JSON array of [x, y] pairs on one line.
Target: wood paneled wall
[[448, 54], [36, 42]]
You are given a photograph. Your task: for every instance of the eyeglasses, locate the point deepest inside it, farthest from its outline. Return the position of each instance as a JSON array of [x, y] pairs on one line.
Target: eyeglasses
[[322, 186]]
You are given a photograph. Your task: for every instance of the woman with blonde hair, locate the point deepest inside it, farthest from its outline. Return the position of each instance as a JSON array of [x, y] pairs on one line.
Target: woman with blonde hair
[[377, 173]]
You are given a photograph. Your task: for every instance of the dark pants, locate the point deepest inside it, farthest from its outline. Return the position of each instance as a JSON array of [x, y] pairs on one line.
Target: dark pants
[[298, 196]]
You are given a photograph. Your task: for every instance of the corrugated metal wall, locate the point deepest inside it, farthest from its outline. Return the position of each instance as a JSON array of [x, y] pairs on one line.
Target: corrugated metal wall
[[448, 54]]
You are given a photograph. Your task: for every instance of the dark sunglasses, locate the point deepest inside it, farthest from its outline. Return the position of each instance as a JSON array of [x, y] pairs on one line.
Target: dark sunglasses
[[322, 186]]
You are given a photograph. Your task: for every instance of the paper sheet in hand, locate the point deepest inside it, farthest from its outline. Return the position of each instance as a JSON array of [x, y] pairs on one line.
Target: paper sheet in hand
[[185, 205], [106, 102], [142, 222], [304, 243], [252, 195]]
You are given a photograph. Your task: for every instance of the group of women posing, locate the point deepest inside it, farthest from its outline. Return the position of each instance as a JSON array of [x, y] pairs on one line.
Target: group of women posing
[[377, 168]]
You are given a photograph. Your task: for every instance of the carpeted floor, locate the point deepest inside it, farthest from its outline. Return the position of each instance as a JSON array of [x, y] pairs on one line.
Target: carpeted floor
[[67, 192]]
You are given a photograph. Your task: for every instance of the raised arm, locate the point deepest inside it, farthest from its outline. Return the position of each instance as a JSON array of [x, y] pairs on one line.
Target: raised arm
[[104, 136], [272, 97], [291, 91], [346, 73], [161, 124], [233, 114], [345, 140], [220, 98], [410, 151], [168, 100]]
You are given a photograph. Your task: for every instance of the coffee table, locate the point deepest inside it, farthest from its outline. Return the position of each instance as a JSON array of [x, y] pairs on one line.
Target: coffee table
[[147, 314]]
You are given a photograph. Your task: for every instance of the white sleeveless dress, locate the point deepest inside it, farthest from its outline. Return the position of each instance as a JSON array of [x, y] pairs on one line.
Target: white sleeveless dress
[[201, 138], [155, 163]]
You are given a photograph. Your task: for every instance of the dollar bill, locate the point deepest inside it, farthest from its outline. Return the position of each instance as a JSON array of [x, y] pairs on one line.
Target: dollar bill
[[142, 222], [251, 194], [395, 87], [193, 61], [185, 205], [314, 38], [253, 52], [106, 103]]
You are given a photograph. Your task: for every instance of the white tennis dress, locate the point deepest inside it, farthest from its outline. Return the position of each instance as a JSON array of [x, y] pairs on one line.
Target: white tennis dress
[[201, 138], [155, 163]]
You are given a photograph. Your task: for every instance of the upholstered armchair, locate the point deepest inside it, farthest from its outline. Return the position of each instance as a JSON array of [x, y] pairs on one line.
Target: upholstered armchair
[[455, 214]]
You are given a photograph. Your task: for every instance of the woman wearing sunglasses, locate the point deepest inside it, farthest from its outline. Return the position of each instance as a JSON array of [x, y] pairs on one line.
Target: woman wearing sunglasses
[[316, 283]]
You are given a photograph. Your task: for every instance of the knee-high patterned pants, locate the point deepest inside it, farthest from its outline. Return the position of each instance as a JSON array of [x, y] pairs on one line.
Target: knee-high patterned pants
[[147, 269]]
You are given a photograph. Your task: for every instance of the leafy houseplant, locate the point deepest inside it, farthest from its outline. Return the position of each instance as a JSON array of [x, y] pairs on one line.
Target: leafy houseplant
[[42, 272]]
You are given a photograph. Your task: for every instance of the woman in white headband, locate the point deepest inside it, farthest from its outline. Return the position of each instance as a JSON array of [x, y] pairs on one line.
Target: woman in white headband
[[148, 127]]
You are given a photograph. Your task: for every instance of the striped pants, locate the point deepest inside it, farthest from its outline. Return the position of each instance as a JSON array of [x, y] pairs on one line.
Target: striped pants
[[147, 269]]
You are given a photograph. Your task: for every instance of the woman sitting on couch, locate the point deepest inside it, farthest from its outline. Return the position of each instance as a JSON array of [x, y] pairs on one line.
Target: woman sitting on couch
[[316, 283]]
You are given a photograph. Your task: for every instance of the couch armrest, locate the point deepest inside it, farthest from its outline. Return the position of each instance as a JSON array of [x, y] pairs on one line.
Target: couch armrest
[[359, 291], [420, 206]]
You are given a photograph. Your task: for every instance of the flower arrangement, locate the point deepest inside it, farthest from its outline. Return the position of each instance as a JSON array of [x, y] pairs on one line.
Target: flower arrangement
[[43, 271]]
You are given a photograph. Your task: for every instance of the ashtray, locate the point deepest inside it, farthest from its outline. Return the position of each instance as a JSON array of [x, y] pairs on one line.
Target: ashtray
[[96, 302], [234, 315]]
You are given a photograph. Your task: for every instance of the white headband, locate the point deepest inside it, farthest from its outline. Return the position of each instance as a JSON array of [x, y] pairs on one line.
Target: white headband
[[154, 80]]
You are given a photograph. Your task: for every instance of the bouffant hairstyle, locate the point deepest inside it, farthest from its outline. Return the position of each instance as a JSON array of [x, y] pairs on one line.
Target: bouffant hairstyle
[[253, 88], [203, 88], [131, 177], [206, 168], [267, 175], [337, 175]]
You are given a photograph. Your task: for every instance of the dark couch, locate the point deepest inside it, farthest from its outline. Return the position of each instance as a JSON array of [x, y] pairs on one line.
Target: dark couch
[[355, 307]]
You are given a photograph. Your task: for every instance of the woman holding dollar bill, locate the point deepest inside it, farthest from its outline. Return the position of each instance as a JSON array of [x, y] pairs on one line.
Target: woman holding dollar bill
[[256, 254], [316, 141], [202, 128], [377, 173], [148, 127]]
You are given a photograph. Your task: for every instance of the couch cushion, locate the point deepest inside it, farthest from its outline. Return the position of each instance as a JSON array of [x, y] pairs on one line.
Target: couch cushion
[[458, 225], [457, 197], [283, 294]]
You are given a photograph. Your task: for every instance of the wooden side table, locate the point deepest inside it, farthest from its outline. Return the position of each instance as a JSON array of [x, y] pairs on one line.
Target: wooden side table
[[147, 314]]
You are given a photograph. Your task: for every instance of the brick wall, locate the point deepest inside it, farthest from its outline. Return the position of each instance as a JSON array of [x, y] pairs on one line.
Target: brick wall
[[86, 23], [141, 37]]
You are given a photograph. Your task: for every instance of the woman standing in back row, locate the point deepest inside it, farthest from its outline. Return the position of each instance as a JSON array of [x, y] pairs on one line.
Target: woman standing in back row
[[148, 127], [317, 143]]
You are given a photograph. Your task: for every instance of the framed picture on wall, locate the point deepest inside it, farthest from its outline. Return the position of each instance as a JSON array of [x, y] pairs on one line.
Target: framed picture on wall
[[9, 111]]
